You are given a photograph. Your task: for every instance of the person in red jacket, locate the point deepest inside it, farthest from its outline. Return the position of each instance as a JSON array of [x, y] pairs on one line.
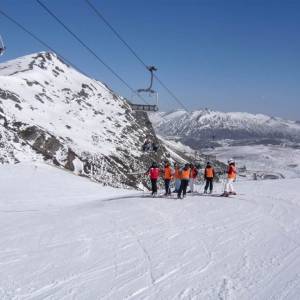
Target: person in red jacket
[[209, 174], [154, 174], [193, 176]]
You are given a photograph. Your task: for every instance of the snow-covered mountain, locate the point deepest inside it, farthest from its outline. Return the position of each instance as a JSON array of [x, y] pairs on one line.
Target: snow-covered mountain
[[212, 126], [50, 111]]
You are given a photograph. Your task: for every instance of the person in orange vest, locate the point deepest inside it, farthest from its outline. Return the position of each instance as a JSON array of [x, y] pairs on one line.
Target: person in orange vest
[[209, 174], [193, 176], [185, 177], [154, 174], [231, 177], [167, 175], [177, 177]]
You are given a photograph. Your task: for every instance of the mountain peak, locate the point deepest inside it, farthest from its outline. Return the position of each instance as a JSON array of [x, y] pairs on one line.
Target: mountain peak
[[33, 62], [70, 119]]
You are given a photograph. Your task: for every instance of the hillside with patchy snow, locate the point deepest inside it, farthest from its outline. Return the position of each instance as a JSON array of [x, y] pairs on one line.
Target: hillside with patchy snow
[[50, 111], [212, 126]]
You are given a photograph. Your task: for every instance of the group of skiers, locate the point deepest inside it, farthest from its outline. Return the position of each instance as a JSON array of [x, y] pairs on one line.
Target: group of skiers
[[186, 176]]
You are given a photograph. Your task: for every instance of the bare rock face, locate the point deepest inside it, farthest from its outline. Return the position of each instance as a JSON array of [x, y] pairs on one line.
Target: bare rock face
[[49, 111]]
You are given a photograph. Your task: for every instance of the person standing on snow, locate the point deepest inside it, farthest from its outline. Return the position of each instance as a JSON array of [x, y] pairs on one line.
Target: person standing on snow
[[177, 177], [231, 177], [185, 177], [209, 174], [193, 176], [168, 175], [147, 145], [154, 174]]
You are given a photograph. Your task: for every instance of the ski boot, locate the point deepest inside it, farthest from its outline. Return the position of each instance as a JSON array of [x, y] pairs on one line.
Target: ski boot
[[225, 194]]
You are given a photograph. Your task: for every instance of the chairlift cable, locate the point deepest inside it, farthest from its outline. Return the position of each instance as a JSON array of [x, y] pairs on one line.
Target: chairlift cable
[[46, 45], [134, 52], [32, 35], [41, 42], [89, 49]]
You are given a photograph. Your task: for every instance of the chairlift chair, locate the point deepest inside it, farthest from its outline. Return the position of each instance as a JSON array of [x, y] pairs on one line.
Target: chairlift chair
[[2, 46], [150, 91]]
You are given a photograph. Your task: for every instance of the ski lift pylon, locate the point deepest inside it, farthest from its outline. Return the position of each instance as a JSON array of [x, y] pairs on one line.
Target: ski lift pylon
[[2, 46], [150, 91]]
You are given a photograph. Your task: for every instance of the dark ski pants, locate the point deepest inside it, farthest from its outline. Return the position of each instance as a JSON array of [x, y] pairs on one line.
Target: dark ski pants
[[154, 186], [167, 186], [183, 186], [209, 184]]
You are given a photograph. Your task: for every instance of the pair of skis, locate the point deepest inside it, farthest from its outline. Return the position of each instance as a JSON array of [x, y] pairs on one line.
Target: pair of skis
[[171, 196], [215, 195]]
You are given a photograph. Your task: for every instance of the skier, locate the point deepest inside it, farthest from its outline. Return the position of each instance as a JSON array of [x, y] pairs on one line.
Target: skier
[[168, 175], [155, 146], [177, 177], [231, 177], [209, 174], [147, 145], [193, 176], [185, 177], [154, 174]]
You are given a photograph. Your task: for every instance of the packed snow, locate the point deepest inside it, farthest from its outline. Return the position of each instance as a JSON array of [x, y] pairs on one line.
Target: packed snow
[[65, 237]]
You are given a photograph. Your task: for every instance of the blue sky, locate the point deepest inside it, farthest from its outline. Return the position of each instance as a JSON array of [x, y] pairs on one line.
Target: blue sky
[[224, 55]]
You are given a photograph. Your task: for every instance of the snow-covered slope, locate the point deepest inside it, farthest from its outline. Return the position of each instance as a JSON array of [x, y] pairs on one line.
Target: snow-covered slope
[[63, 237], [49, 109], [213, 125]]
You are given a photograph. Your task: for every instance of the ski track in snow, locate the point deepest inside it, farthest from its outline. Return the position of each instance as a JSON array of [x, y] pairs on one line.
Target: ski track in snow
[[79, 244]]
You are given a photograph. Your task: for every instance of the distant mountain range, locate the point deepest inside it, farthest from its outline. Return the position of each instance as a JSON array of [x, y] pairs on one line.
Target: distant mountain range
[[207, 127]]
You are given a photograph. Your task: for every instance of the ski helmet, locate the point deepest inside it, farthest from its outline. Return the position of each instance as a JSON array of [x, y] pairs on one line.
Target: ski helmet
[[231, 161]]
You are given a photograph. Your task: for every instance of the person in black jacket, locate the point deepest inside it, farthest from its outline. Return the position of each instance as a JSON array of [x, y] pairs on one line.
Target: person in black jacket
[[209, 174]]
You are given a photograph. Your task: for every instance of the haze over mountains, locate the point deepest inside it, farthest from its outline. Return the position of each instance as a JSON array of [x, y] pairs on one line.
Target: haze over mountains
[[207, 127]]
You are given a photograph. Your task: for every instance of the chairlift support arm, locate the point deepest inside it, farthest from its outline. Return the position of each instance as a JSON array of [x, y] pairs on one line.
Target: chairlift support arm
[[149, 89]]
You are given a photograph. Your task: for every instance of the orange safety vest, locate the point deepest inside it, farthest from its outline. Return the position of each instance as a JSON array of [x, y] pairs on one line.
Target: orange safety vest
[[209, 172], [185, 174], [168, 173], [231, 173]]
